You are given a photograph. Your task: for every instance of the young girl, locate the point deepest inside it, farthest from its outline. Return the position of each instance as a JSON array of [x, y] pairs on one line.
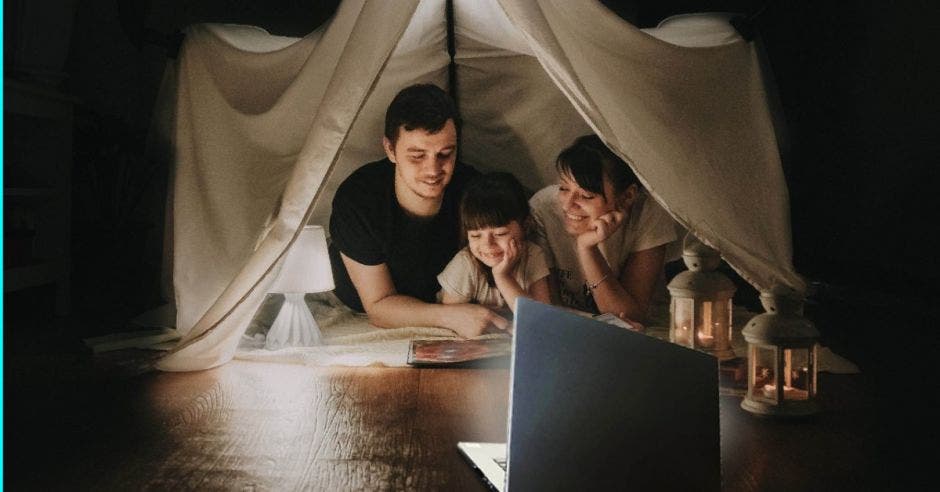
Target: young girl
[[498, 264]]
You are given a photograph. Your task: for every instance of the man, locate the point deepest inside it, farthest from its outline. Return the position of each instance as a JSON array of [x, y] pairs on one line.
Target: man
[[394, 224]]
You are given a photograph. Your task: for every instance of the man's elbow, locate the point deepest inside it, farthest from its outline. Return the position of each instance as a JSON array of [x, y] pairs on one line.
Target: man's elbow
[[375, 316], [379, 322], [378, 316]]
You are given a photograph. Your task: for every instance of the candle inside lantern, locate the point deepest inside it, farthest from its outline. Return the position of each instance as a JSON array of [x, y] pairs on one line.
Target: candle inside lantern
[[682, 335], [705, 336], [789, 392], [682, 331], [706, 340], [798, 377]]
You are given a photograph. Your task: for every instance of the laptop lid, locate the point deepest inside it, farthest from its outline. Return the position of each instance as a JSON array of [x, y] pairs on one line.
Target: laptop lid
[[593, 405]]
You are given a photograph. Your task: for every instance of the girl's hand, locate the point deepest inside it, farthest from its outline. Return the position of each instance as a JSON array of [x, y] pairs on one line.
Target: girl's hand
[[601, 228], [509, 261]]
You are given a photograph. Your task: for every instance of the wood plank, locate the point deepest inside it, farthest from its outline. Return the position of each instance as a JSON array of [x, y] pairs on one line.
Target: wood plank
[[261, 426], [269, 426]]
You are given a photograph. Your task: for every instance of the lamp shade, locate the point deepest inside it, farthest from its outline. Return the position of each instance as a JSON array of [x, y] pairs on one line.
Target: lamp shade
[[306, 267]]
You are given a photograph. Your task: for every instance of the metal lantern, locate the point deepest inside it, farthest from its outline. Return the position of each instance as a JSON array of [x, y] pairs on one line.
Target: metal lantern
[[700, 311], [781, 360]]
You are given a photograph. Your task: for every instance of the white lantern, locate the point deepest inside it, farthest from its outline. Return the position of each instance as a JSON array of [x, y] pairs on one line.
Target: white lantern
[[701, 307], [781, 359]]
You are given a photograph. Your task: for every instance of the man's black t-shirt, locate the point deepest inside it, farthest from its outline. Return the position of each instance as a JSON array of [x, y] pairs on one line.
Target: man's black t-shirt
[[369, 226]]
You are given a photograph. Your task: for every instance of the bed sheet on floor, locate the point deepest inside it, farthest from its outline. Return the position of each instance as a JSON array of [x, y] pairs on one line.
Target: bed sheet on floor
[[349, 339]]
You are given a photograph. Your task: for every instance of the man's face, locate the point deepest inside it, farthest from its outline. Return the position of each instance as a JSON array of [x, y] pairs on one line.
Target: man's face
[[424, 162]]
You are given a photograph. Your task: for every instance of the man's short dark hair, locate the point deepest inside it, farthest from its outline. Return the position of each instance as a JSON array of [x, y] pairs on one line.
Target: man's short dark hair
[[424, 106]]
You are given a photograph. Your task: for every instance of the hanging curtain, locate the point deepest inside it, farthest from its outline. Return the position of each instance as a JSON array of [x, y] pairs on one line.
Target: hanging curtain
[[685, 105], [267, 127], [258, 133]]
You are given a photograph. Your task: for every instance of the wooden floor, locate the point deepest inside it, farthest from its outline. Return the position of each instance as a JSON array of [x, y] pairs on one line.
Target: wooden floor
[[259, 426]]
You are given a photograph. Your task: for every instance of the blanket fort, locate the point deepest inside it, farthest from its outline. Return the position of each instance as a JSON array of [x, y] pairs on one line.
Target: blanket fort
[[267, 127]]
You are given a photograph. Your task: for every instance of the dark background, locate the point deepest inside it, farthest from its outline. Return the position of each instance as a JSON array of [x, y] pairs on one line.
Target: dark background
[[855, 82]]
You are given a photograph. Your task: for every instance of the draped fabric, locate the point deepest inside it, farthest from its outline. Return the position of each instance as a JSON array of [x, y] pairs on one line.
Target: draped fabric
[[267, 127], [257, 136], [685, 106]]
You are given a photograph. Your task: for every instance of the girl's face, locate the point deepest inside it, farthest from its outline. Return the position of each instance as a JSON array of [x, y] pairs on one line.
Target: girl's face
[[488, 244], [580, 207]]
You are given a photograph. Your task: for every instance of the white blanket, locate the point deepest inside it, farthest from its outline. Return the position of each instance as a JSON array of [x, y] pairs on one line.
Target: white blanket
[[349, 339]]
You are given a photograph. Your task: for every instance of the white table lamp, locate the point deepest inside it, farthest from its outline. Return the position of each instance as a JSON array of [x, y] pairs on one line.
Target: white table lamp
[[306, 268]]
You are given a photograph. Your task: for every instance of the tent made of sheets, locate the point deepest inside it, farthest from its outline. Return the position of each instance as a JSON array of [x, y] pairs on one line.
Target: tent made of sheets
[[266, 127]]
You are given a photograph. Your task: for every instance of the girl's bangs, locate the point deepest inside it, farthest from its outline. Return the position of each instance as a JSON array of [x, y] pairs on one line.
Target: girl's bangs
[[484, 217]]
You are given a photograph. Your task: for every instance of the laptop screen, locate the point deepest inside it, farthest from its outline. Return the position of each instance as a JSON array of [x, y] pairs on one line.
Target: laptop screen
[[593, 404]]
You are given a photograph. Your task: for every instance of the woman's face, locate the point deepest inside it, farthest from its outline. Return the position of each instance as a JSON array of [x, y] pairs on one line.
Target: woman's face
[[581, 207], [489, 244]]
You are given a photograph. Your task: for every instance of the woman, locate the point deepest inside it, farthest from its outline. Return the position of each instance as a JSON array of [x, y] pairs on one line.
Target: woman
[[604, 234]]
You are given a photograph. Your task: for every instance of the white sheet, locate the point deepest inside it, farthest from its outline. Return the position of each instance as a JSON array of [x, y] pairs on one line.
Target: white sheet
[[266, 129], [349, 339]]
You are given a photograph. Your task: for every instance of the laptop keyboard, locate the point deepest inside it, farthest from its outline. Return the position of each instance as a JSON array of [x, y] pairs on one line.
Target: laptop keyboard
[[501, 462]]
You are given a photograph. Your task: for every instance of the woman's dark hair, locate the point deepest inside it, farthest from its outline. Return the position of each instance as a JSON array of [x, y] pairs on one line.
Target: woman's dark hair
[[588, 160], [492, 200], [424, 106]]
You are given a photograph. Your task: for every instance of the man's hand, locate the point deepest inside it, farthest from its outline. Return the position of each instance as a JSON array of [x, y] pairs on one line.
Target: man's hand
[[472, 320], [601, 228], [509, 260]]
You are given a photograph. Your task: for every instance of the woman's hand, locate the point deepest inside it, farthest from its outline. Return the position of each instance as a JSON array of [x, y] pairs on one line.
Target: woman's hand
[[509, 260], [634, 325], [600, 229]]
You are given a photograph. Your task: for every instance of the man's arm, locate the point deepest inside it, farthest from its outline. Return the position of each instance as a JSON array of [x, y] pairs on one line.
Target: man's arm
[[387, 308]]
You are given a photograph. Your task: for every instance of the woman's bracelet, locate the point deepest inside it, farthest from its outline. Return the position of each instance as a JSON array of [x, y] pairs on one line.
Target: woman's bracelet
[[595, 284]]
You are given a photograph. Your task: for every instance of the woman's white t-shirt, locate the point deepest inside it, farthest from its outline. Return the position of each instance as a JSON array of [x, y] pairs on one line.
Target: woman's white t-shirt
[[648, 226]]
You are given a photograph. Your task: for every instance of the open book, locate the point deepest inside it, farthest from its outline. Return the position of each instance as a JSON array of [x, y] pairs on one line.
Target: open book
[[451, 351]]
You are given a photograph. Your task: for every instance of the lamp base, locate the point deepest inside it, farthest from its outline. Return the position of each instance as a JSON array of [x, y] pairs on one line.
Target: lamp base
[[294, 326]]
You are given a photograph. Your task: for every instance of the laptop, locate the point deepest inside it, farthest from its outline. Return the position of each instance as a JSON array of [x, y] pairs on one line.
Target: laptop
[[597, 406]]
